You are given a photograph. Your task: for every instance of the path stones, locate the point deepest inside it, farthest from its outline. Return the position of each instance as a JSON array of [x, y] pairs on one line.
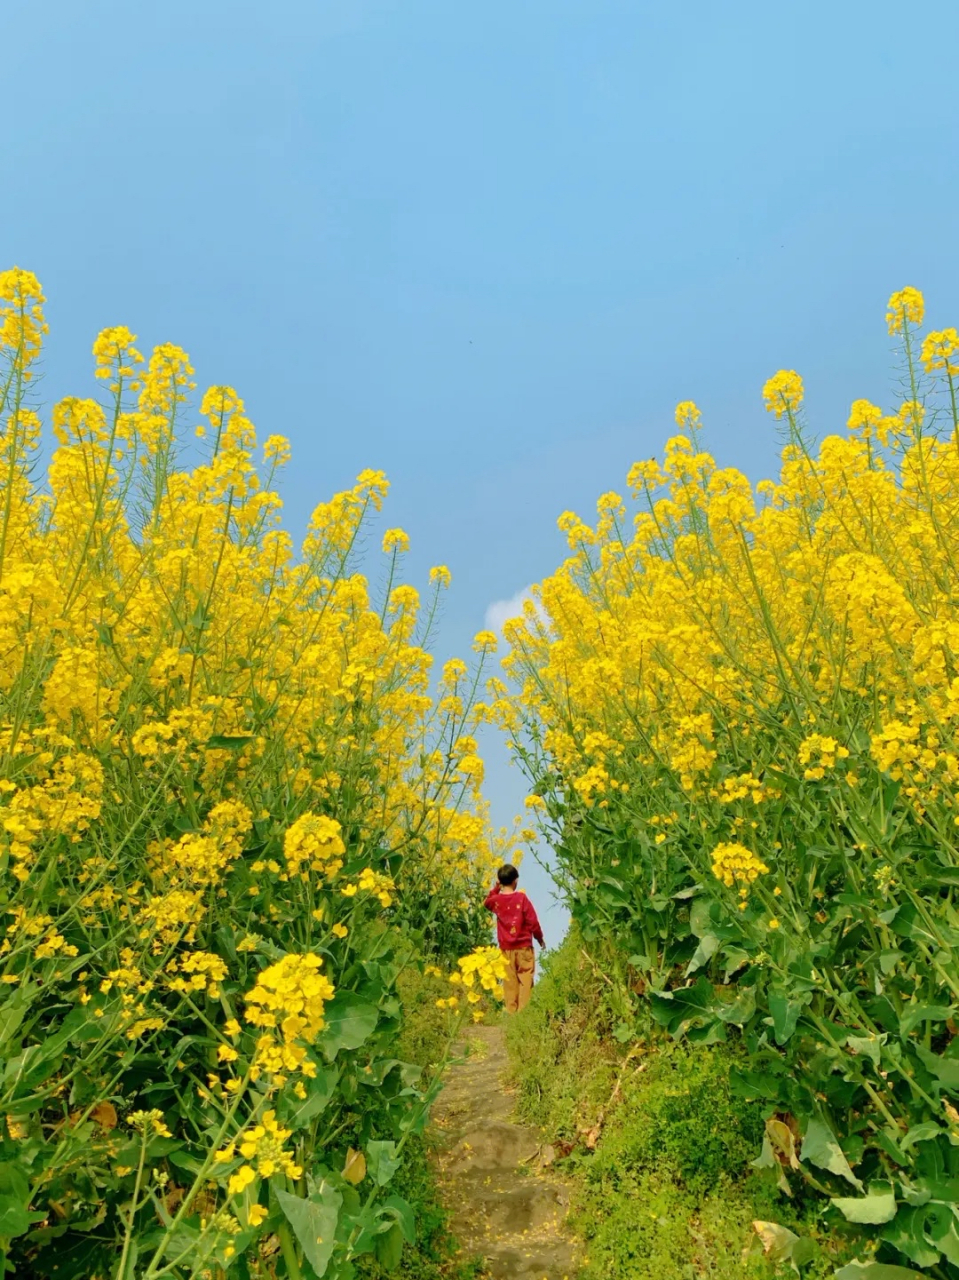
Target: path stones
[[492, 1145], [503, 1205]]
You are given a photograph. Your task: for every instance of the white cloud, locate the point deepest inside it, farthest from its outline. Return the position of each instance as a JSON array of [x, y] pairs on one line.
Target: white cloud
[[500, 611]]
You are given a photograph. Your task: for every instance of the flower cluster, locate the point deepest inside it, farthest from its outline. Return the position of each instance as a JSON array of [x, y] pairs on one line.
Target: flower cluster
[[485, 967], [938, 348], [263, 1152], [288, 1002], [783, 393], [314, 841], [907, 306], [819, 753], [734, 864], [199, 972], [379, 885], [149, 1122], [482, 970], [22, 324]]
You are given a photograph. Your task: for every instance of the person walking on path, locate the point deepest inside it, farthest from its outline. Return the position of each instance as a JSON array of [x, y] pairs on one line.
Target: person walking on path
[[516, 926]]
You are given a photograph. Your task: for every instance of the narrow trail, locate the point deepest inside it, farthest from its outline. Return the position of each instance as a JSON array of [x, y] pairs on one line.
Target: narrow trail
[[505, 1206]]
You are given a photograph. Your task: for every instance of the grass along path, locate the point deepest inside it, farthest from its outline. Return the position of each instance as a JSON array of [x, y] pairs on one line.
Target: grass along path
[[505, 1207]]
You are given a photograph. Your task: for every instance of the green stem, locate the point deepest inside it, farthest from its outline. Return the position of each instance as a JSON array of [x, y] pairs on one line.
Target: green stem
[[289, 1251], [152, 1271], [128, 1237]]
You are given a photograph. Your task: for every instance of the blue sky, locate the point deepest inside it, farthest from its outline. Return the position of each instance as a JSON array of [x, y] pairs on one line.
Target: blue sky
[[486, 247]]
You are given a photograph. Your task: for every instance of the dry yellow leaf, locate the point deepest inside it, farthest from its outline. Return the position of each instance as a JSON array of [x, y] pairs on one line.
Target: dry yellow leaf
[[354, 1170]]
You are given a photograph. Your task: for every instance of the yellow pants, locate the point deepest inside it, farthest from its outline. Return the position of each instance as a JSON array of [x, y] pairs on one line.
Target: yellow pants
[[518, 983]]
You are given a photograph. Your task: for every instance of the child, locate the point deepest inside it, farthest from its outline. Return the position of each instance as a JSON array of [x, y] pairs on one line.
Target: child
[[516, 927]]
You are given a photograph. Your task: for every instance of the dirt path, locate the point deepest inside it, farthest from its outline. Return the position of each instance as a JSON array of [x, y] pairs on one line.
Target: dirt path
[[504, 1205]]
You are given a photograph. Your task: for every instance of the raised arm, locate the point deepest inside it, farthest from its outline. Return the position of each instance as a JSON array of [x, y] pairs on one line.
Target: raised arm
[[493, 893]]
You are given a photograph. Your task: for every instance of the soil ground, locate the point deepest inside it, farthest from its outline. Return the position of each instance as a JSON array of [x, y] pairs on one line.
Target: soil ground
[[506, 1205]]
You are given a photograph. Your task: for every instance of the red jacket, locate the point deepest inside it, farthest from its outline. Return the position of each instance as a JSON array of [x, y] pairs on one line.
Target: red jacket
[[516, 921]]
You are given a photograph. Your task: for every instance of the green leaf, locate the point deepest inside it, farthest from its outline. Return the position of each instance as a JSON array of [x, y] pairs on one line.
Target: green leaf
[[78, 1027], [803, 1252], [785, 1012], [321, 1089], [314, 1222], [382, 1161], [186, 1160], [920, 1133], [374, 1073], [30, 1068], [876, 1271], [767, 1157], [907, 1234], [946, 1070], [866, 1047], [689, 892], [908, 923], [181, 1242], [13, 1010], [785, 780], [914, 1014], [941, 1226], [14, 1219], [349, 1023], [767, 1160], [712, 1032], [708, 946], [14, 1199], [735, 959], [875, 1208], [687, 1007], [700, 917], [389, 1248], [396, 1207], [740, 1010], [228, 741], [819, 1147]]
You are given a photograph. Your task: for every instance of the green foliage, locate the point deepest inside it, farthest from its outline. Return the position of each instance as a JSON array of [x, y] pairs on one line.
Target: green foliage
[[649, 1228], [677, 1116], [230, 812], [668, 1191], [563, 1065], [737, 706], [432, 1257], [424, 1034], [423, 1039]]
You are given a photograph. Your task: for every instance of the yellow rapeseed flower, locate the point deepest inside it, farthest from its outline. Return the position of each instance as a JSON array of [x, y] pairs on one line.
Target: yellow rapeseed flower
[[395, 540], [906, 306], [688, 416], [734, 864], [938, 348], [783, 392]]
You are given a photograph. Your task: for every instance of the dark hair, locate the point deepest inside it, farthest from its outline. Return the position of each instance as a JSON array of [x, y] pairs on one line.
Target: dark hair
[[507, 875]]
